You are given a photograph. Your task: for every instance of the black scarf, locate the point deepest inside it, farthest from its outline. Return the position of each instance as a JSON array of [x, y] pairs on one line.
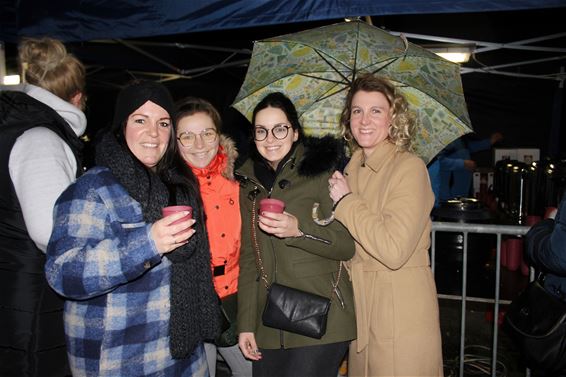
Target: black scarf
[[194, 305], [263, 169]]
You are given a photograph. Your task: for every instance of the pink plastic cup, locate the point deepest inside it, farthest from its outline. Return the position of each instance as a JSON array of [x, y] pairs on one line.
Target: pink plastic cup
[[271, 205], [166, 211]]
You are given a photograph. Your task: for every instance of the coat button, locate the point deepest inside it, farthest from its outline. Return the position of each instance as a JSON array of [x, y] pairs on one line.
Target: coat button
[[223, 235], [225, 287], [231, 201], [217, 206], [147, 265]]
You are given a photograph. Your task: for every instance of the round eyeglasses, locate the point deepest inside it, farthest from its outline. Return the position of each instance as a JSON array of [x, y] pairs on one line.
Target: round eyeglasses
[[187, 139], [279, 131]]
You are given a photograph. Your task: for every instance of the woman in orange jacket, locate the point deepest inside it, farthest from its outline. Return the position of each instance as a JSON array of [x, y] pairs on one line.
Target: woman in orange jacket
[[211, 157]]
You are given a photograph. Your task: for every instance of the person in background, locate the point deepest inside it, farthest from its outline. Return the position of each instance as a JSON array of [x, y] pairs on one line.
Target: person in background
[[384, 199], [433, 168], [138, 286], [456, 165], [296, 251], [546, 250], [211, 157], [40, 125]]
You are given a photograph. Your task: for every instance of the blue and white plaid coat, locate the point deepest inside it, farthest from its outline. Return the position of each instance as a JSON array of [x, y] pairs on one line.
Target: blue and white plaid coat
[[102, 259]]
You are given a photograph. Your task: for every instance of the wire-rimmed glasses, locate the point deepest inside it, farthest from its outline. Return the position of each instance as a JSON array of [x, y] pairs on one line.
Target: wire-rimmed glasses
[[279, 131], [188, 138]]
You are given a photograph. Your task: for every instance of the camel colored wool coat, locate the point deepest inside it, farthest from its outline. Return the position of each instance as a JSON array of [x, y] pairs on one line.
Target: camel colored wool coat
[[388, 214]]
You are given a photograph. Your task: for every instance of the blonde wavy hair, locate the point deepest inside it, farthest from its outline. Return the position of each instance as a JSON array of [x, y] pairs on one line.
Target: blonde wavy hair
[[403, 120], [45, 62]]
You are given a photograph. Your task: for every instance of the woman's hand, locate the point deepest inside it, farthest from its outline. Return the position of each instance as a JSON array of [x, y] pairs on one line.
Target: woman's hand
[[248, 346], [338, 186], [168, 236], [470, 165], [280, 225]]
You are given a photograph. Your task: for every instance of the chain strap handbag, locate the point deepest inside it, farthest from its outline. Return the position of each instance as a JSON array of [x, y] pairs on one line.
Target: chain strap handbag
[[536, 320], [291, 309]]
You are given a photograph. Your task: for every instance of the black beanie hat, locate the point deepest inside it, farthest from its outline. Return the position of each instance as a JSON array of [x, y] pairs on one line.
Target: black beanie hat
[[135, 95]]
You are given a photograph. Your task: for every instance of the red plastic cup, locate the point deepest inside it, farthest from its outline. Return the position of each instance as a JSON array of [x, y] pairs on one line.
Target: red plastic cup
[[271, 205], [166, 211], [548, 212], [514, 253]]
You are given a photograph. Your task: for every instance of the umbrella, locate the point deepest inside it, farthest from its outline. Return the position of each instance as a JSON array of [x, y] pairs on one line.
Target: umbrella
[[315, 68]]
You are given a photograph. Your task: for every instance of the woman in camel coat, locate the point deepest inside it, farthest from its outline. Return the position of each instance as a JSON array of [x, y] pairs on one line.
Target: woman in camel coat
[[384, 199]]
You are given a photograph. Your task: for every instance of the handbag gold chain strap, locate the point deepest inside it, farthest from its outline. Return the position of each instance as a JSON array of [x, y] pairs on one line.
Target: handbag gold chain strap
[[259, 262]]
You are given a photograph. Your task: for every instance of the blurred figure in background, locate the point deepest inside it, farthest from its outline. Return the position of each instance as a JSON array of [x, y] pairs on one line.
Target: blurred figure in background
[[456, 165], [40, 125], [211, 157], [546, 251]]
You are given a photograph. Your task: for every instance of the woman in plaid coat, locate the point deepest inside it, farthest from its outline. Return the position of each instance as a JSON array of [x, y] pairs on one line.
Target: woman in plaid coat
[[140, 299]]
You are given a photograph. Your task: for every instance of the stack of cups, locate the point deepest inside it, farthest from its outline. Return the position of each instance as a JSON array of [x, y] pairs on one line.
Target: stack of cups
[[503, 255], [514, 253]]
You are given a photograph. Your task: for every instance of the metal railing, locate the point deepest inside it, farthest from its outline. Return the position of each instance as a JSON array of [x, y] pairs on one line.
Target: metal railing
[[465, 229]]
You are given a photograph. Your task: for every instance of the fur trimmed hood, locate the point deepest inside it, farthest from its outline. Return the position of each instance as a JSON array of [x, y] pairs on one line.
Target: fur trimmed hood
[[321, 155], [231, 155], [312, 156]]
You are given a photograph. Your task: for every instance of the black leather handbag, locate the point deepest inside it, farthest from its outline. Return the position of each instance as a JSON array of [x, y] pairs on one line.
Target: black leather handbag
[[536, 320], [291, 309], [296, 311]]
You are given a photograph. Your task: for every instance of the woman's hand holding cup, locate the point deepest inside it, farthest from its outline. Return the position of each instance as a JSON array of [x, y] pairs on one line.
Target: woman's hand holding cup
[[273, 219], [174, 229]]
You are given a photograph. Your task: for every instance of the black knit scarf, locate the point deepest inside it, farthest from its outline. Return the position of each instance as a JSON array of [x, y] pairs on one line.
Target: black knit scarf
[[194, 305]]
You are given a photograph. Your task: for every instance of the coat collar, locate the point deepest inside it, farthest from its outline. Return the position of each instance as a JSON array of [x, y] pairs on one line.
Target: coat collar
[[379, 157]]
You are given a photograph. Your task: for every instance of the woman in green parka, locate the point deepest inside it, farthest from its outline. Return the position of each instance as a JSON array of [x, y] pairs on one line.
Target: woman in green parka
[[295, 250]]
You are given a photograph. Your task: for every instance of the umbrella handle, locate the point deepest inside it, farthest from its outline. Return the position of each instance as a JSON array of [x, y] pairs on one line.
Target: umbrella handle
[[316, 218], [405, 42]]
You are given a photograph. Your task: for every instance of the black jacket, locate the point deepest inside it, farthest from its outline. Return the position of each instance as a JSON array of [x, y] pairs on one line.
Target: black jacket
[[32, 339]]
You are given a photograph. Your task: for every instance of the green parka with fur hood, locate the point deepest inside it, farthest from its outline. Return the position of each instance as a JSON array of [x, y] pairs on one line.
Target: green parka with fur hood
[[308, 263]]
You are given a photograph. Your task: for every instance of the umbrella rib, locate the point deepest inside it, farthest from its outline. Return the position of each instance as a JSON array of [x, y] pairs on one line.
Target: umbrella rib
[[332, 94], [393, 60], [356, 53], [324, 79], [334, 68]]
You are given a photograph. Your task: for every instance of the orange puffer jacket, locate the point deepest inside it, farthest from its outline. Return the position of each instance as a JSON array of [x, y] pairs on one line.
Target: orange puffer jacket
[[220, 195]]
